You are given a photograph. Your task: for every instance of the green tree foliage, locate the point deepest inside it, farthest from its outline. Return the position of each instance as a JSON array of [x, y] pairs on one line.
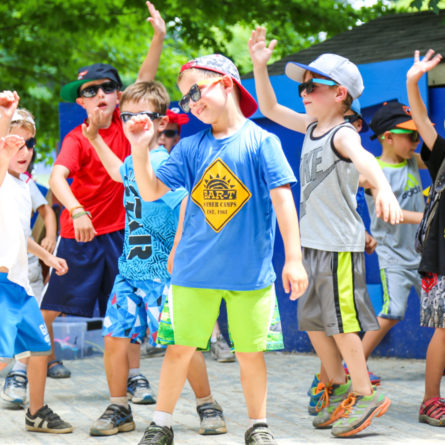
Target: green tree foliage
[[44, 42]]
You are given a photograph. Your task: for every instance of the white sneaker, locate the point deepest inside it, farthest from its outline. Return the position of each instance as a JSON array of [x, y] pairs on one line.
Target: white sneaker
[[14, 390]]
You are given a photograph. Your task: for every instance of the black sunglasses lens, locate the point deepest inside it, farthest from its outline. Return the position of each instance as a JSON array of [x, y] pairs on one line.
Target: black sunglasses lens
[[308, 86], [89, 91], [108, 87], [415, 136], [30, 143], [170, 133], [125, 117], [195, 93], [184, 103]]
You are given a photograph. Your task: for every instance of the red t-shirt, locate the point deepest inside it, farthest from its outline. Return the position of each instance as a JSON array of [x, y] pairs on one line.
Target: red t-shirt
[[92, 185]]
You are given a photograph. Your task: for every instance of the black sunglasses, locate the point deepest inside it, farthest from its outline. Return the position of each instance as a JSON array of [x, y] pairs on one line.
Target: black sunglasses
[[309, 86], [126, 115], [170, 133], [195, 92], [106, 87], [29, 143]]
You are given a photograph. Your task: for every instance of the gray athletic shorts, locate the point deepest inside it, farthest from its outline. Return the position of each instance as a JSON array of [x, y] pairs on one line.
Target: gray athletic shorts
[[336, 300], [397, 284]]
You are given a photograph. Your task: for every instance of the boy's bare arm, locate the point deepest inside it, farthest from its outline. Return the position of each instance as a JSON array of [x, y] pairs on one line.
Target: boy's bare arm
[[140, 133], [83, 227], [294, 275], [269, 106], [418, 109], [110, 161], [49, 219], [149, 66], [347, 142], [59, 264]]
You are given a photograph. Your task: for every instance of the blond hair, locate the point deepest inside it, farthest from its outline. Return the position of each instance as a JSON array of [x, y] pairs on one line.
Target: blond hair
[[23, 119], [153, 92]]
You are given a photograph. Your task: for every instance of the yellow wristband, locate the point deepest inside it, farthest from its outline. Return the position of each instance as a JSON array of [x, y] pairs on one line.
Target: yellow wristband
[[74, 208]]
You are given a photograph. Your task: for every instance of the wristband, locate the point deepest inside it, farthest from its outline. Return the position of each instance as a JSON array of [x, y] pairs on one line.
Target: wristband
[[75, 208], [78, 215]]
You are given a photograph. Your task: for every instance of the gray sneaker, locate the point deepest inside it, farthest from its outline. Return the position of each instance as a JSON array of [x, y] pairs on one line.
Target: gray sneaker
[[212, 419], [221, 351], [139, 391], [328, 405], [259, 434], [45, 420], [14, 390], [115, 419]]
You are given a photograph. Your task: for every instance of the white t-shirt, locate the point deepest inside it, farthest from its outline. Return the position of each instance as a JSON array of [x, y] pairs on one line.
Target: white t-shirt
[[13, 242]]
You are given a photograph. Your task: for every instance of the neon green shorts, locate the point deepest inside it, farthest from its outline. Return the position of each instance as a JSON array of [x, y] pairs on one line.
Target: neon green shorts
[[194, 311]]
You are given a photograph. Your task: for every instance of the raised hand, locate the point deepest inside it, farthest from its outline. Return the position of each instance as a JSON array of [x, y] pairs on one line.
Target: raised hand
[[9, 101], [96, 120], [9, 146], [156, 20], [259, 52], [420, 67], [139, 132]]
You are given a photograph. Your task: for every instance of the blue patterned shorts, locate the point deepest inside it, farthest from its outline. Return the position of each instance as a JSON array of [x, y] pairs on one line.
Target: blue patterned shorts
[[134, 306], [432, 302]]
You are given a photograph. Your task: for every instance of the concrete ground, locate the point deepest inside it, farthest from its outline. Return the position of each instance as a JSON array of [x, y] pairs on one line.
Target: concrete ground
[[83, 397]]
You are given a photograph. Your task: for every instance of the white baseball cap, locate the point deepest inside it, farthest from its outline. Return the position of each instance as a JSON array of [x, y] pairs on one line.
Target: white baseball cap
[[334, 67]]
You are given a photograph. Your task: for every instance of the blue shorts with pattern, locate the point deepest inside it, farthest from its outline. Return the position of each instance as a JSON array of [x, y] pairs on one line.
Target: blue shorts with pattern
[[22, 330], [134, 306]]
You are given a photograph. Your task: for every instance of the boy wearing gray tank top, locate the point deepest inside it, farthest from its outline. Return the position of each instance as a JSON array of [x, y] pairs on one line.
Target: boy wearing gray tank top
[[335, 306], [395, 129]]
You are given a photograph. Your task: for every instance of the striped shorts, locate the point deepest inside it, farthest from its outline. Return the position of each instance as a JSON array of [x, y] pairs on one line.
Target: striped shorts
[[336, 300]]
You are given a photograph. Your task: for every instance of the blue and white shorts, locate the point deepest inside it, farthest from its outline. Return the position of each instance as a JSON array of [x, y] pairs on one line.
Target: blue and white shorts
[[134, 306], [22, 330]]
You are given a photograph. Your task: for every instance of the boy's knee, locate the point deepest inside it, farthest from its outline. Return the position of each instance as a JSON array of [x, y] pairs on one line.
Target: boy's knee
[[179, 352]]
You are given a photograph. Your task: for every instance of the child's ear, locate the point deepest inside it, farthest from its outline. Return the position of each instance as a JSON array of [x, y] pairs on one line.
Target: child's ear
[[227, 82], [342, 93], [119, 95], [79, 101]]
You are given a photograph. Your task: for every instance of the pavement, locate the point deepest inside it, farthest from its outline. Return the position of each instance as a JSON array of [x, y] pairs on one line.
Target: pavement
[[83, 398]]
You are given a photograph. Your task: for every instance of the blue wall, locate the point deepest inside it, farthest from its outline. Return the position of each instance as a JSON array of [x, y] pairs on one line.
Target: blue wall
[[384, 81]]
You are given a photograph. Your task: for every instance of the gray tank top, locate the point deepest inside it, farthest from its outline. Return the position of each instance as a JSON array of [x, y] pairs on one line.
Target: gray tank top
[[328, 216], [395, 243]]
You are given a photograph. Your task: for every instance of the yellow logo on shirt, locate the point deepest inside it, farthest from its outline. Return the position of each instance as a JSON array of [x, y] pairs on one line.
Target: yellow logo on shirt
[[220, 195]]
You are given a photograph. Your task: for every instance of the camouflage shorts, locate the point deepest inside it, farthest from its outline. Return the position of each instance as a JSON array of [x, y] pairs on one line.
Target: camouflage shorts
[[432, 302]]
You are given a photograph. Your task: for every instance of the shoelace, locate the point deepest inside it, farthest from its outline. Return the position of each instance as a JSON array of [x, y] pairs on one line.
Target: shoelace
[[323, 401], [347, 405]]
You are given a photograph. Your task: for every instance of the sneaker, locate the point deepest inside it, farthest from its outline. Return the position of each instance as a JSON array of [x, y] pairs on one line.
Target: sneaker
[[157, 435], [375, 379], [115, 419], [57, 370], [331, 398], [46, 421], [314, 398], [259, 434], [152, 351], [14, 391], [211, 419], [314, 383], [221, 351], [358, 411], [432, 411], [139, 391]]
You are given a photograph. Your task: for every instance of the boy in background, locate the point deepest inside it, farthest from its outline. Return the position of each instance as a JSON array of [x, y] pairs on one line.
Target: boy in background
[[395, 129]]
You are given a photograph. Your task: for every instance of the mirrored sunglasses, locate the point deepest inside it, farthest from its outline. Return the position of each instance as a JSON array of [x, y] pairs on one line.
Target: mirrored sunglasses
[[413, 135], [310, 85], [126, 115], [91, 91], [195, 92]]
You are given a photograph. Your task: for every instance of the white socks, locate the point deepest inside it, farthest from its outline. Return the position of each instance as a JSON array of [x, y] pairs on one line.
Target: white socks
[[202, 400], [19, 366], [252, 422], [134, 372], [122, 401], [162, 418]]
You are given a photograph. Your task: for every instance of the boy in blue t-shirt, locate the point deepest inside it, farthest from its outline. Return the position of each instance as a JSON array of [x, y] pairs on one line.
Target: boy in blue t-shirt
[[239, 184], [140, 288]]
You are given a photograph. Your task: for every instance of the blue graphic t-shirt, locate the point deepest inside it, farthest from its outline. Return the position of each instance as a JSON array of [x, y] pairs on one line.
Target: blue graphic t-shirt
[[229, 227], [150, 227]]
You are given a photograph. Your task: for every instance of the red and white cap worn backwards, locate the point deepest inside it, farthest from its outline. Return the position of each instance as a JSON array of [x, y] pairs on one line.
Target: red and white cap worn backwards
[[224, 66]]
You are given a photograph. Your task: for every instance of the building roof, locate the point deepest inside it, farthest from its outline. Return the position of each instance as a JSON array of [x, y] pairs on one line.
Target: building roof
[[389, 37]]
